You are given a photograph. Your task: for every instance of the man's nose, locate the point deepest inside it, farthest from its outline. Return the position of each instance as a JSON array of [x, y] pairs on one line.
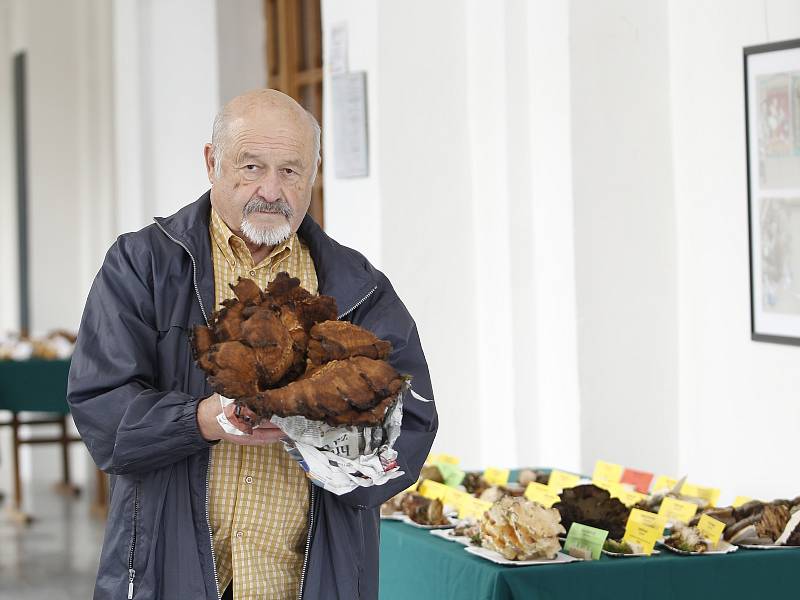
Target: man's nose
[[269, 187]]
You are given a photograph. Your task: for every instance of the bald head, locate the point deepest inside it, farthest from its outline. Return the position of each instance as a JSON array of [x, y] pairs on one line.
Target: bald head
[[262, 162], [253, 105]]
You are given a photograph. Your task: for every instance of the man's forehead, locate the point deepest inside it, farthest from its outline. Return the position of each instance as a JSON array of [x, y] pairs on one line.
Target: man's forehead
[[267, 150]]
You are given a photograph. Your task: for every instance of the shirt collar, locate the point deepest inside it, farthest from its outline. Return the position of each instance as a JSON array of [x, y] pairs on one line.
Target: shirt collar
[[235, 250]]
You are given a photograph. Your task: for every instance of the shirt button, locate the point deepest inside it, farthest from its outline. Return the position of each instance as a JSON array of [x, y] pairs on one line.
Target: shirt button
[[240, 534], [253, 273], [248, 479]]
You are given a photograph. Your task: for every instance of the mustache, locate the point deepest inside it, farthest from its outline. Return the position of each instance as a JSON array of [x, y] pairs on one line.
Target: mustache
[[258, 204]]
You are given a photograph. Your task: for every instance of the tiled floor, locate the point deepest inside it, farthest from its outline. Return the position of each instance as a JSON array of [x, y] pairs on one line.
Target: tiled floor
[[56, 557]]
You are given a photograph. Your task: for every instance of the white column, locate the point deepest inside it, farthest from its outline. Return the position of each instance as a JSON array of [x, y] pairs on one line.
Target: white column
[[546, 353], [625, 233], [166, 96], [490, 249]]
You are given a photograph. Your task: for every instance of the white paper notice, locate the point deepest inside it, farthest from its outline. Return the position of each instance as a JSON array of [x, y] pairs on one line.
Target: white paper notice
[[337, 58], [350, 143]]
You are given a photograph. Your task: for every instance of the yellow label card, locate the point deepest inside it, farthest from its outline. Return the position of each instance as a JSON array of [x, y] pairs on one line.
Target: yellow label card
[[664, 483], [542, 494], [677, 510], [740, 500], [710, 528], [614, 489], [711, 495], [643, 535], [447, 459], [644, 528], [605, 471], [472, 508], [495, 476], [434, 490], [643, 517], [560, 480], [628, 497]]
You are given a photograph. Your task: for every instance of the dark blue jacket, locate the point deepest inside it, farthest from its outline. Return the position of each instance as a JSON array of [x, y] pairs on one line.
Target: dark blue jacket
[[134, 388]]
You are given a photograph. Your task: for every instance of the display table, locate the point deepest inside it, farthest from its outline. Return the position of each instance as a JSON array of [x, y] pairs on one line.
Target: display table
[[415, 564], [38, 386]]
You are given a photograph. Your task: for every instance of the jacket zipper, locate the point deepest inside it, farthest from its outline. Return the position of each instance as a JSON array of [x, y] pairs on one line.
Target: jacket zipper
[[313, 487], [131, 571], [357, 304], [208, 470], [208, 524], [308, 541], [194, 270], [208, 467]]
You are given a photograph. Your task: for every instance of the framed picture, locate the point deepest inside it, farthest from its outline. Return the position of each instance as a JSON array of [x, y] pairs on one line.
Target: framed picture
[[772, 117]]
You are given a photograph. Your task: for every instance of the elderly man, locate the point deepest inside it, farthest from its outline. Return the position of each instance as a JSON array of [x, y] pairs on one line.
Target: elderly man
[[196, 512]]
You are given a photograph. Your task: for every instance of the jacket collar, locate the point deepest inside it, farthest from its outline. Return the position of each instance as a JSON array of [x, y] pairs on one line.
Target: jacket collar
[[341, 272]]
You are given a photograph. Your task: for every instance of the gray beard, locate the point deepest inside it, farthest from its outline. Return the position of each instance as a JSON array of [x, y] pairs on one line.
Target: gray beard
[[268, 236]]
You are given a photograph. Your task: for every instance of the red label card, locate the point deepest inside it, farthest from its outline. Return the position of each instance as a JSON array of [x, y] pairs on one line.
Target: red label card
[[640, 479]]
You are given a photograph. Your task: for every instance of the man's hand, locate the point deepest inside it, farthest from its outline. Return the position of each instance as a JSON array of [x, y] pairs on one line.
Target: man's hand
[[211, 430]]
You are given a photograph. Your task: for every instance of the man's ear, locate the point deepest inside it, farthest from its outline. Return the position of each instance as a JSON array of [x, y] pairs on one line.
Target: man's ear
[[208, 154]]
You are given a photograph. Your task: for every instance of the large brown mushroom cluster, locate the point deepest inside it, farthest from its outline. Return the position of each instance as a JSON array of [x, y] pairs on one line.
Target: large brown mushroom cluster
[[282, 352]]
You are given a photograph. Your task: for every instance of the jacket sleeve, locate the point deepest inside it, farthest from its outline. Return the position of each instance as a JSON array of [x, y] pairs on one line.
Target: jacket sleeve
[[128, 425], [393, 322]]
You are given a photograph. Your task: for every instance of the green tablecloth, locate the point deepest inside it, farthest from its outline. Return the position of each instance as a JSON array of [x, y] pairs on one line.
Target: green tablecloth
[[35, 385], [416, 565]]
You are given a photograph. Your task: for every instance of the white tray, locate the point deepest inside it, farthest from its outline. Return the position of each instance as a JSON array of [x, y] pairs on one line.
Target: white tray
[[497, 558], [635, 555], [398, 516], [447, 534], [408, 521], [724, 548], [765, 547]]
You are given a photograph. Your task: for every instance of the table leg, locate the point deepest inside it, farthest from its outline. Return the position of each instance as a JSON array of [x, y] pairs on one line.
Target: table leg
[[15, 510], [65, 488]]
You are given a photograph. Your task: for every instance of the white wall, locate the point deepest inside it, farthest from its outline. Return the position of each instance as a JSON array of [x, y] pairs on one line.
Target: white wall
[[738, 398], [352, 206], [452, 201], [624, 233], [241, 47], [166, 95]]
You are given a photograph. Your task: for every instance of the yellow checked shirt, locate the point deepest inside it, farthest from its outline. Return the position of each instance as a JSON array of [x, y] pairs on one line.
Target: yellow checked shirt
[[258, 495]]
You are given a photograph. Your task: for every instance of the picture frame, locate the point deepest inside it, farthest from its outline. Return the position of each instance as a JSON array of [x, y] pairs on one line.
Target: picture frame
[[772, 124]]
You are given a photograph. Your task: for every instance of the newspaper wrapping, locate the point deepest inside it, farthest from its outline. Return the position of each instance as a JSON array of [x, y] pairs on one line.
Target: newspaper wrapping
[[340, 459]]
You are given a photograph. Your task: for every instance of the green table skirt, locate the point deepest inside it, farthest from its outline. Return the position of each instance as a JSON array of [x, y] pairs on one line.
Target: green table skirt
[[416, 565], [35, 385]]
